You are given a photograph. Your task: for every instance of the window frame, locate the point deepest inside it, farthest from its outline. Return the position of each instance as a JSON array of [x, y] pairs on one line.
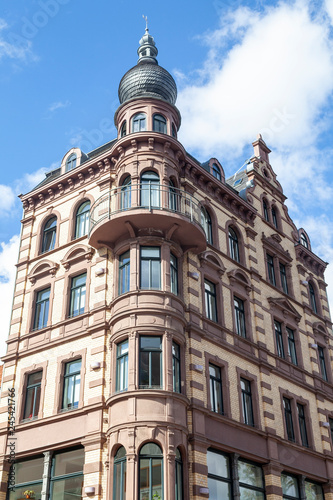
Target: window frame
[[46, 315], [139, 119], [246, 397], [84, 215], [74, 404], [71, 162], [270, 269], [174, 287], [240, 317], [215, 385], [151, 458], [51, 230], [63, 477], [33, 386], [210, 301], [122, 366], [288, 419], [322, 363], [313, 298], [233, 244], [157, 123], [122, 461], [216, 172], [72, 296], [176, 367], [150, 261], [279, 339], [124, 272], [302, 424], [150, 350], [283, 278], [207, 225]]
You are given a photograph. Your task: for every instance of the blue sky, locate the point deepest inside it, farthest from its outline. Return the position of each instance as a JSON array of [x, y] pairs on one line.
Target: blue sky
[[241, 68]]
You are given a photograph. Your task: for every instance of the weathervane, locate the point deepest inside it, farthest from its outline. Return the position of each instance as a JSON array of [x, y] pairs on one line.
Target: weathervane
[[146, 19]]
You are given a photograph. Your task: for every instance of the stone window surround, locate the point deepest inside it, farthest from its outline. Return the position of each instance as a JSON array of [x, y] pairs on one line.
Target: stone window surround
[[294, 400], [292, 323], [232, 224], [41, 281], [212, 270], [206, 204], [72, 215], [223, 365], [270, 205], [23, 393], [134, 248], [241, 290], [40, 231], [59, 387], [241, 373], [277, 259], [319, 312], [74, 268], [134, 358]]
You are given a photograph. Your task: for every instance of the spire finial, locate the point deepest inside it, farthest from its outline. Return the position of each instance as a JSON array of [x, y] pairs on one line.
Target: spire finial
[[146, 19]]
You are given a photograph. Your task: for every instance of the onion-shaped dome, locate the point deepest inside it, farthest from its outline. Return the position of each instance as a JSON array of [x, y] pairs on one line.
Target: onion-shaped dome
[[147, 78]]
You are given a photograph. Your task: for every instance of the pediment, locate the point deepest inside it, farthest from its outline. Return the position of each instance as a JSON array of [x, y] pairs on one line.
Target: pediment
[[210, 259], [274, 243], [42, 269], [76, 254], [285, 306]]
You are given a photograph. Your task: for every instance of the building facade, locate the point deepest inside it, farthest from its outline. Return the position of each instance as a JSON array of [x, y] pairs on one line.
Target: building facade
[[170, 334]]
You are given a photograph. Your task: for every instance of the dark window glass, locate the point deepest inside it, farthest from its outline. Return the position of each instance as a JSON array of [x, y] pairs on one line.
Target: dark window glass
[[49, 235], [322, 362], [292, 346], [124, 272], [82, 219], [119, 473], [210, 300], [139, 122], [274, 218], [122, 366], [283, 276], [173, 274], [123, 130], [279, 339], [125, 194], [313, 491], [176, 367], [216, 171], [251, 481], [174, 131], [78, 295], [179, 476], [313, 301], [265, 208], [42, 309], [206, 223], [71, 389], [302, 424], [216, 400], [304, 241], [219, 476], [150, 362], [71, 162], [150, 472], [28, 476], [290, 488], [174, 198], [159, 124], [288, 416], [32, 398], [150, 270], [240, 317], [150, 190], [67, 475], [233, 245], [271, 271], [247, 402], [331, 428]]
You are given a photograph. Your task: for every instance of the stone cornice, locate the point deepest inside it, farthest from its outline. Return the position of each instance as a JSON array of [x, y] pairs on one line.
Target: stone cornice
[[311, 261]]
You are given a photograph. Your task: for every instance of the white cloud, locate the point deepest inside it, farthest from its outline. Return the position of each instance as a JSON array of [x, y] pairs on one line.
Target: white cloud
[[14, 46], [58, 105], [7, 200], [8, 259]]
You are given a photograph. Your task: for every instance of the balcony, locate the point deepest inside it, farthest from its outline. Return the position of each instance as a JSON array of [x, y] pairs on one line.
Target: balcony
[[147, 209]]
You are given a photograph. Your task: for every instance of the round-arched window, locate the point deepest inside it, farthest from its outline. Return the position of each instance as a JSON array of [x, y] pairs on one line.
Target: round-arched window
[[150, 189], [304, 241], [151, 472], [82, 219], [206, 223], [159, 124], [125, 193], [216, 171], [49, 235], [123, 129], [119, 488], [71, 162], [233, 244], [139, 122], [179, 476]]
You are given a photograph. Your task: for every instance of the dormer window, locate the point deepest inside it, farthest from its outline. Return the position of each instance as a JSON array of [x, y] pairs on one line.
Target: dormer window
[[304, 241], [139, 122], [159, 124], [216, 172], [71, 162]]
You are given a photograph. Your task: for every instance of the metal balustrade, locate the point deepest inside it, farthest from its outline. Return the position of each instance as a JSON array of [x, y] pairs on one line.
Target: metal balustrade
[[147, 197]]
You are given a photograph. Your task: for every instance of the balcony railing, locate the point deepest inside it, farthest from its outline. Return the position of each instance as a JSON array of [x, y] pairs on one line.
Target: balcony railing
[[145, 197]]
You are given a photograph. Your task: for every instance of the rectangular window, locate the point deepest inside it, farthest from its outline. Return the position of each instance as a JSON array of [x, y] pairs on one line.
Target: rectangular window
[[210, 300], [279, 339], [176, 367], [292, 346], [173, 274], [251, 481], [322, 362], [124, 272], [240, 317], [288, 417], [32, 397], [71, 388], [78, 295], [313, 491], [302, 425], [150, 268], [247, 406], [270, 269], [150, 362], [122, 366], [219, 475], [283, 276], [28, 476], [290, 488], [42, 309], [215, 385], [67, 475]]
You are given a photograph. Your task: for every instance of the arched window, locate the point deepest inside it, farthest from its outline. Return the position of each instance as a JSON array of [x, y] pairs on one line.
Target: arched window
[[159, 124], [313, 301], [125, 193], [123, 129], [49, 235], [139, 122], [82, 219], [150, 190], [216, 171], [151, 472], [304, 241], [174, 131], [179, 476], [119, 475], [274, 218], [233, 245], [206, 223], [71, 162], [265, 210], [172, 197]]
